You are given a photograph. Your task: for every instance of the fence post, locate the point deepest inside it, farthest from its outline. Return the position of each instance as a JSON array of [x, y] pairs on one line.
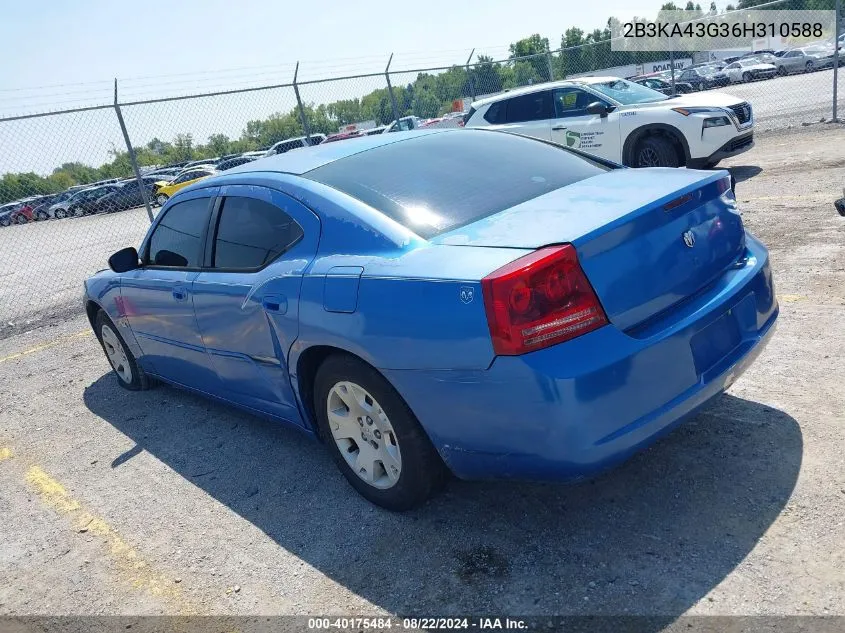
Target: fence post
[[836, 58], [471, 77], [305, 126], [131, 151], [390, 90], [549, 62], [672, 68]]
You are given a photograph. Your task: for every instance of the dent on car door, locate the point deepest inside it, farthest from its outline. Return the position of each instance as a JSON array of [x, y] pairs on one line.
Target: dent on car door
[[247, 297], [157, 298], [574, 127]]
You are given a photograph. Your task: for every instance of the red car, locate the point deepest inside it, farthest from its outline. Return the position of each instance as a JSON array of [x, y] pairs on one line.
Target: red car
[[341, 136], [23, 213]]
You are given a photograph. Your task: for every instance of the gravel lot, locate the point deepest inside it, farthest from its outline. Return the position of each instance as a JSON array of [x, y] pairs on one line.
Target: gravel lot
[[161, 502]]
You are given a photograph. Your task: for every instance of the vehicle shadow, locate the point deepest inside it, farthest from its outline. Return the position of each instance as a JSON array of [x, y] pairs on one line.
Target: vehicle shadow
[[742, 173], [651, 537]]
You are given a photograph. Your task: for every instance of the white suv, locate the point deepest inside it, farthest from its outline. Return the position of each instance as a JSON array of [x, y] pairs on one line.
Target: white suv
[[624, 122]]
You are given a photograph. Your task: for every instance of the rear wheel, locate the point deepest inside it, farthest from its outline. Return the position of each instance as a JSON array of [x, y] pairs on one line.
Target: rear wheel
[[61, 213], [373, 436], [5, 221], [809, 66], [747, 77], [781, 70], [161, 199], [129, 375], [42, 215], [20, 219], [656, 151]]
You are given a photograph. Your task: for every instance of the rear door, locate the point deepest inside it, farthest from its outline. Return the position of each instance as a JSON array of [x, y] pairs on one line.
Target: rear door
[[247, 297], [529, 114], [574, 127], [157, 298]]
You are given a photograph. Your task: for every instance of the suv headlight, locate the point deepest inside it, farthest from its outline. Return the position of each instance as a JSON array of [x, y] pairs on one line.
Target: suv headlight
[[716, 121]]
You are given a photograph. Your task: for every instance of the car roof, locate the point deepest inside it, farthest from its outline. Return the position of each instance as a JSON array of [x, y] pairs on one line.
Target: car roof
[[307, 158], [578, 81]]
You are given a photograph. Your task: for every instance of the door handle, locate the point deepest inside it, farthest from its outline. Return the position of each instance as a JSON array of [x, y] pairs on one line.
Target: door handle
[[275, 303], [559, 127], [180, 293]]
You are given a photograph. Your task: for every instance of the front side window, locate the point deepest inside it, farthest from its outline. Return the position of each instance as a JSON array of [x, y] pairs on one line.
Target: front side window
[[177, 239], [534, 106], [571, 102], [252, 233]]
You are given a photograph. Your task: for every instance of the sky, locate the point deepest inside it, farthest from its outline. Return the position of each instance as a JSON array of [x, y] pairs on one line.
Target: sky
[[58, 55]]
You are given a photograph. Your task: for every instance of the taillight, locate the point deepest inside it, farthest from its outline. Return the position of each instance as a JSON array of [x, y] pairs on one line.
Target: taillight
[[540, 300]]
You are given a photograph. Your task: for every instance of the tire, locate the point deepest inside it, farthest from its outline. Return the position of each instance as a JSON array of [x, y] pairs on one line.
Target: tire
[[161, 199], [5, 221], [655, 151], [61, 214], [782, 71], [21, 219], [77, 212], [123, 363], [747, 77], [41, 216], [384, 420], [809, 67]]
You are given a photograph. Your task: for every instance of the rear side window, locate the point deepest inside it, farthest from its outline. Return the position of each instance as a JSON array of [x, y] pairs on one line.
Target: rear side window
[[177, 239], [252, 233], [495, 114], [535, 106], [438, 182]]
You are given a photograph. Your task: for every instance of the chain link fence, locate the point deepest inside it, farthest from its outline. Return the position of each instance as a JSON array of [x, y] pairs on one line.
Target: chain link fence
[[70, 194]]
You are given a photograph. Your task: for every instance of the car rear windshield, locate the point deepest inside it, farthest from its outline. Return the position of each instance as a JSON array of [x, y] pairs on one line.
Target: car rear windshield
[[435, 183]]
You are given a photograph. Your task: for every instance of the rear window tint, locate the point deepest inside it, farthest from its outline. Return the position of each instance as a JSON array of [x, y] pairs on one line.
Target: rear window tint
[[495, 114], [436, 183]]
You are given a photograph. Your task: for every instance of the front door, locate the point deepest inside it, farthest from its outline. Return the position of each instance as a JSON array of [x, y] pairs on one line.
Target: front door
[[574, 127], [247, 296], [157, 298]]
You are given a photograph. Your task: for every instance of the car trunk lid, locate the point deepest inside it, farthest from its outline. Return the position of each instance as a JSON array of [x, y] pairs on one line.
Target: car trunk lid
[[646, 239]]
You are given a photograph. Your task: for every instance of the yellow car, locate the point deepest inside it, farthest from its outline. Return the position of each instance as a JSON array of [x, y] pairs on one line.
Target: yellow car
[[164, 190]]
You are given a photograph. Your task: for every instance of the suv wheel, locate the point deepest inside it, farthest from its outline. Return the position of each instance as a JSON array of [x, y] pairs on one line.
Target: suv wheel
[[655, 151]]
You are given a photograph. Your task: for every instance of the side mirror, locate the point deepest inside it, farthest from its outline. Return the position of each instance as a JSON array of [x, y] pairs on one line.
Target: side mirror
[[597, 107], [124, 260]]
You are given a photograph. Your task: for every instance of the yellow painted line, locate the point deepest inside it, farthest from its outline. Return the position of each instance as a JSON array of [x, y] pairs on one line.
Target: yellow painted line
[[5, 453], [53, 343], [131, 567], [791, 298]]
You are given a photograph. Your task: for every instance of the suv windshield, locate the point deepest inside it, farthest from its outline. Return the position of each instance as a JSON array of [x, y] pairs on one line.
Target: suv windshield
[[627, 93]]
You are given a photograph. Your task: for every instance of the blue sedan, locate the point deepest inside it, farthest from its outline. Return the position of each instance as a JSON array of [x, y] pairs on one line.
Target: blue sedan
[[453, 301]]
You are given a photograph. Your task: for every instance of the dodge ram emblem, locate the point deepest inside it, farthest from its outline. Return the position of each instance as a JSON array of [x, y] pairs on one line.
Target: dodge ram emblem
[[689, 238], [467, 294]]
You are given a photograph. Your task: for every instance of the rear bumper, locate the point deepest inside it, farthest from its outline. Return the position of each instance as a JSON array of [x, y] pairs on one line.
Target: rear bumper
[[568, 411], [737, 145]]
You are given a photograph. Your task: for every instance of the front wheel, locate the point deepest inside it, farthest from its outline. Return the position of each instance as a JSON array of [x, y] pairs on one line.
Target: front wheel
[[129, 375], [20, 219], [655, 151], [61, 214], [5, 221], [809, 67], [747, 77], [373, 436], [41, 216], [161, 199], [782, 71]]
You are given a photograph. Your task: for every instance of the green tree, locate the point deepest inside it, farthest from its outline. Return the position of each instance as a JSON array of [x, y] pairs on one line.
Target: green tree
[[537, 48]]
